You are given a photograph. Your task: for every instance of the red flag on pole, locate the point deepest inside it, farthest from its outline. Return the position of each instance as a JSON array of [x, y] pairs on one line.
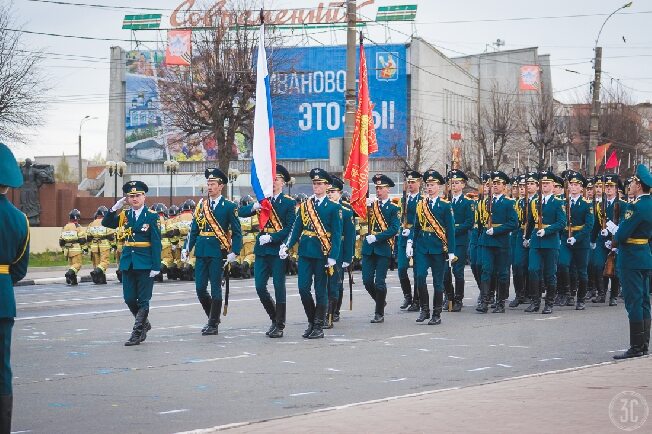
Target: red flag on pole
[[364, 143], [600, 153], [612, 162]]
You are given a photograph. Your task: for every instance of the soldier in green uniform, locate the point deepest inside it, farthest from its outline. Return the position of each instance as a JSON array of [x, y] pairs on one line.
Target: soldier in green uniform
[[634, 236], [336, 281], [267, 261], [495, 239], [434, 238], [140, 261], [216, 236], [412, 197], [546, 219], [318, 230], [14, 257], [378, 245]]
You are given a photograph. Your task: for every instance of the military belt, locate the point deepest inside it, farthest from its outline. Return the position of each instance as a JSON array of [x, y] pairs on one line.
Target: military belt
[[206, 234], [4, 269], [427, 229], [638, 241], [269, 231], [496, 225], [313, 233], [575, 228], [137, 244]]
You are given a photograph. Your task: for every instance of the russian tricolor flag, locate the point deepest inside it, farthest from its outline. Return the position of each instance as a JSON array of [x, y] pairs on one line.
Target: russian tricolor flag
[[263, 165]]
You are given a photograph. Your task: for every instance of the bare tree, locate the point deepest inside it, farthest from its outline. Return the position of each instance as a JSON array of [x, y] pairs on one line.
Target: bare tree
[[542, 131], [22, 88], [422, 154]]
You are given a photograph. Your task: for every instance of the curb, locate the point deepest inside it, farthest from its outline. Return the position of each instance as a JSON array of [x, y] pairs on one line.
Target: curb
[[60, 280]]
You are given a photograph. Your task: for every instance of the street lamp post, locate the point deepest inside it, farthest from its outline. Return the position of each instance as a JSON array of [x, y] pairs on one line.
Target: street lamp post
[[233, 175], [116, 168], [85, 118], [171, 167]]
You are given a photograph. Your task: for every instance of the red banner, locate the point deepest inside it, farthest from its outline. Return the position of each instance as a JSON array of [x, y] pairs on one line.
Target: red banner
[[364, 143], [600, 153], [612, 162], [179, 51], [530, 77]]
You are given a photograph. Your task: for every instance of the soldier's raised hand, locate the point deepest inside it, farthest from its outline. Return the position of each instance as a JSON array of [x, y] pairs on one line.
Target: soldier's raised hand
[[256, 206], [119, 204]]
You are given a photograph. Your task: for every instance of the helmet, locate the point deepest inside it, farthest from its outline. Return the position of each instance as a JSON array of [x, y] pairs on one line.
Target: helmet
[[346, 196], [160, 208], [301, 197], [75, 214], [173, 210], [188, 205], [246, 200], [101, 211]]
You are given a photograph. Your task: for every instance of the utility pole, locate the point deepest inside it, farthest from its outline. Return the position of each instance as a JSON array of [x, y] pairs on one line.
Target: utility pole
[[595, 113], [349, 119]]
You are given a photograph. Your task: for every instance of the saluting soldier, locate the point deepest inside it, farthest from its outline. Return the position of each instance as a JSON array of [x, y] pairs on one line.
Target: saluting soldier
[[217, 239], [73, 243], [634, 235], [267, 243], [140, 261], [546, 219], [434, 241], [463, 211], [318, 230], [378, 245], [409, 209], [574, 249], [336, 281], [502, 219], [99, 245], [14, 258]]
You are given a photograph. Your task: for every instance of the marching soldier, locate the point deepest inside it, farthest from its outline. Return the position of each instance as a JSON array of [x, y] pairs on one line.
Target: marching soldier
[[502, 219], [140, 261], [14, 258], [336, 281], [73, 243], [250, 231], [217, 239], [574, 249], [434, 238], [528, 184], [635, 260], [378, 245], [409, 209], [99, 245], [173, 214], [546, 219], [184, 223], [267, 244], [589, 194], [317, 229], [463, 210]]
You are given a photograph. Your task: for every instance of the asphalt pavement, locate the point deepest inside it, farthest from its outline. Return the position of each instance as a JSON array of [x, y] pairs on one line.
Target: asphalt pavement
[[72, 373]]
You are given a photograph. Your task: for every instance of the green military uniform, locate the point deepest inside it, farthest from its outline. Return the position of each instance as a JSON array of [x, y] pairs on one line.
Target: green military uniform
[[216, 237], [14, 257], [634, 238], [140, 259], [408, 210], [519, 251], [317, 228]]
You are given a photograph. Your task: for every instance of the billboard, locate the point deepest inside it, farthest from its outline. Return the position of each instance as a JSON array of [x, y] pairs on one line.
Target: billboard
[[308, 99]]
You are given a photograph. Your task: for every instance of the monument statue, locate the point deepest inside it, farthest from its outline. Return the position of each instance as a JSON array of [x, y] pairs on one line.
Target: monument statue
[[34, 175]]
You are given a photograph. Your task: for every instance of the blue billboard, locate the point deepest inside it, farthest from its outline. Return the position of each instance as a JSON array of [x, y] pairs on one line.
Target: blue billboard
[[308, 86]]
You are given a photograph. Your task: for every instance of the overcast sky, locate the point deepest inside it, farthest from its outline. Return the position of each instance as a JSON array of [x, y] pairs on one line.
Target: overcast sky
[[79, 71]]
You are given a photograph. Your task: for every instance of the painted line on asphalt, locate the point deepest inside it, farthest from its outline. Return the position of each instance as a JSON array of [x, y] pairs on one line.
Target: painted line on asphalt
[[302, 394], [479, 369], [216, 359], [408, 336], [173, 411]]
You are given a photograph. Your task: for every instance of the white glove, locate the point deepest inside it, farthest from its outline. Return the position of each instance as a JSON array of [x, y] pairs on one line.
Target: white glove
[[592, 245], [541, 233], [451, 256], [370, 239], [154, 273], [604, 232], [264, 239], [526, 243], [490, 231], [607, 244], [357, 237], [256, 206], [119, 204], [370, 201], [345, 265], [184, 255], [330, 262], [283, 251], [408, 250], [406, 232], [614, 250], [612, 227], [231, 257], [571, 240]]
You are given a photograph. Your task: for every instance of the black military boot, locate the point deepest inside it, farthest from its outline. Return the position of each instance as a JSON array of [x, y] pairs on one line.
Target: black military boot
[[270, 308], [581, 295], [338, 305], [601, 287], [318, 324], [535, 297], [280, 322], [6, 406], [139, 329], [613, 294], [206, 305], [459, 295], [437, 303], [547, 308], [503, 294], [103, 278], [483, 303], [213, 318], [646, 336], [69, 275], [173, 272], [636, 341], [118, 274], [424, 314], [379, 314], [563, 287], [94, 275], [406, 287], [493, 290], [416, 305], [330, 312], [371, 289], [309, 308]]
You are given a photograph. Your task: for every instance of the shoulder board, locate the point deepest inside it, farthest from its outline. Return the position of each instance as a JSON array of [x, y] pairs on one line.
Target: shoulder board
[[587, 201], [288, 197], [510, 199], [444, 200]]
